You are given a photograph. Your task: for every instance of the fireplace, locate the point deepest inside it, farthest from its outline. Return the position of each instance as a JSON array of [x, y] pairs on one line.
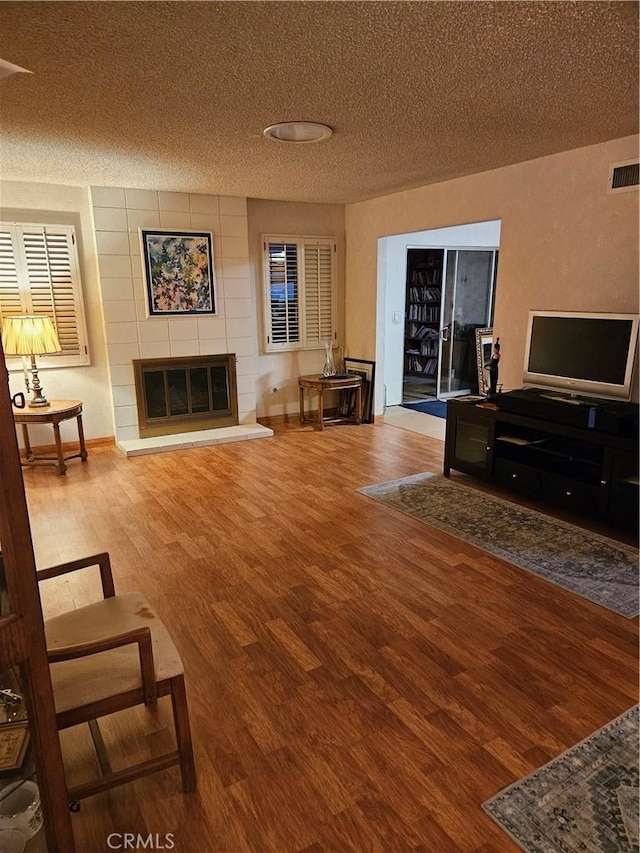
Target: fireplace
[[185, 394]]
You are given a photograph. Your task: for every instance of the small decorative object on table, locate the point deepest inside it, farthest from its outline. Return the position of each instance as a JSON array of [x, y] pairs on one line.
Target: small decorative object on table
[[493, 368], [329, 368]]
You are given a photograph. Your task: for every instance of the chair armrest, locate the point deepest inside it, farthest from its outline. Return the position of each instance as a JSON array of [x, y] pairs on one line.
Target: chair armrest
[[141, 636], [101, 560]]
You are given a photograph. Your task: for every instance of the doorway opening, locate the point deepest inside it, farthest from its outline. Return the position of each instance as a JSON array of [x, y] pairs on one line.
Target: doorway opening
[[393, 280]]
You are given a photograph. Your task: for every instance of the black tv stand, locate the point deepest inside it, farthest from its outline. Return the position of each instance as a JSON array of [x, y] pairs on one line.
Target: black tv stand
[[594, 413], [585, 469]]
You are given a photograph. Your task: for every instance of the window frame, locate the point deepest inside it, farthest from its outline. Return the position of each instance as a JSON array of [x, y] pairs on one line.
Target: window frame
[[302, 243], [25, 291]]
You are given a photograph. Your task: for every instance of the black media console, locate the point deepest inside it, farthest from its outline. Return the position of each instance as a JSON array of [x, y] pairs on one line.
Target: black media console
[[579, 454]]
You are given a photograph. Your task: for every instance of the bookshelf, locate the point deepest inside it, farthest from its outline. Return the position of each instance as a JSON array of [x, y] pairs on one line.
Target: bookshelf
[[422, 313]]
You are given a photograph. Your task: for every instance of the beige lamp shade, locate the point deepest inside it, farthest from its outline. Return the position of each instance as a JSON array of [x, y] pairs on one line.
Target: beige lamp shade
[[29, 334]]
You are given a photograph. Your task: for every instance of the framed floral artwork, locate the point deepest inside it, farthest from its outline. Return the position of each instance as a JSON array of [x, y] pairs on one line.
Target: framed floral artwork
[[178, 272]]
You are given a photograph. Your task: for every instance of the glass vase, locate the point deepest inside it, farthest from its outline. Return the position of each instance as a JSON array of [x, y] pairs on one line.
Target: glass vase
[[329, 367]]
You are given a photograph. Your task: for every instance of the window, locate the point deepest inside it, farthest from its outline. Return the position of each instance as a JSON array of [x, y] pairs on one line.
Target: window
[[299, 287], [39, 274]]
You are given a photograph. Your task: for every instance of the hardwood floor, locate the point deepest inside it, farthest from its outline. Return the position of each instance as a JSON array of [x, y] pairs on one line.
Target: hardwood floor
[[357, 681]]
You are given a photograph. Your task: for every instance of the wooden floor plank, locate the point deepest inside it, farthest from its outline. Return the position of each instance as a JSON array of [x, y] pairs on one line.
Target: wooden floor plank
[[357, 681]]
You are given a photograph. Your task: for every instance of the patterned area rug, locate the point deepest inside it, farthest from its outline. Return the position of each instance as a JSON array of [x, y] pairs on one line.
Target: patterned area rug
[[592, 566], [584, 800]]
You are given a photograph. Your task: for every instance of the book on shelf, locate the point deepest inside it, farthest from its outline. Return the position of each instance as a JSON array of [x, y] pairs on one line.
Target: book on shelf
[[432, 276], [422, 364], [423, 313], [420, 332], [424, 294]]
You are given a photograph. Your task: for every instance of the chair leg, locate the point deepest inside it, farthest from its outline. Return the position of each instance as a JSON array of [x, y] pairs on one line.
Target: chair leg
[[183, 733], [101, 752]]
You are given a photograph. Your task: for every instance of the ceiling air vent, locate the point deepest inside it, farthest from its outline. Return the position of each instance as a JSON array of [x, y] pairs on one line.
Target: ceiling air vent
[[624, 177]]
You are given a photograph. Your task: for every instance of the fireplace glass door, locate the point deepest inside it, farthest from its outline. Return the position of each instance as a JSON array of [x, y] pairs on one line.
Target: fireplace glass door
[[184, 394]]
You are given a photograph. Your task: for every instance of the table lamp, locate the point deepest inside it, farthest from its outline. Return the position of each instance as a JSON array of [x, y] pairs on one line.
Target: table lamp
[[30, 334]]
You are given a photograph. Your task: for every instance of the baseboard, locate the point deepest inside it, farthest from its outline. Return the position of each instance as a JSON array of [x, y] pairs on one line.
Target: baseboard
[[294, 417], [70, 446], [105, 441], [269, 420]]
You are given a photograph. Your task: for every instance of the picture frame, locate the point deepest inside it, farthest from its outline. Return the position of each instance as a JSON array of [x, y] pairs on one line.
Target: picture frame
[[14, 739], [178, 272], [484, 348], [367, 370]]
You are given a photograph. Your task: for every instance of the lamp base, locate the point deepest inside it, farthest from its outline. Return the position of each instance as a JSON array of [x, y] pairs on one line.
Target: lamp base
[[38, 400]]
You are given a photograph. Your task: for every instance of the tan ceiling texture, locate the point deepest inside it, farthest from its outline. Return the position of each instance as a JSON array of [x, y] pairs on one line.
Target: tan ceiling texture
[[175, 95]]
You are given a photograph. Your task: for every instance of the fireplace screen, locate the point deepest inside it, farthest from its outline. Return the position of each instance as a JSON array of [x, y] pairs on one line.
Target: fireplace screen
[[185, 394]]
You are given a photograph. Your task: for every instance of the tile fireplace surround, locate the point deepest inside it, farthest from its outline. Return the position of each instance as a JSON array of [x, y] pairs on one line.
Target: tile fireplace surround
[[119, 213]]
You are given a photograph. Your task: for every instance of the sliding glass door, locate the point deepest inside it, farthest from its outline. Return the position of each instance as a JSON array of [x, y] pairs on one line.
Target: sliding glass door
[[467, 304]]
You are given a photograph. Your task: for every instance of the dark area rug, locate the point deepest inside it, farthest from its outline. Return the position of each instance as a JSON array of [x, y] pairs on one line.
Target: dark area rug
[[592, 566], [437, 408], [584, 800]]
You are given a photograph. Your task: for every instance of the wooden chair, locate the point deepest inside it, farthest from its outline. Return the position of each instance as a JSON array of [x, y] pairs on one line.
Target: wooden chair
[[108, 656]]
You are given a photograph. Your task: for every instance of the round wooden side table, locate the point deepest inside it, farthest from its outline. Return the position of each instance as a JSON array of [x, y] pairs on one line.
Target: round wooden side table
[[57, 411], [319, 383]]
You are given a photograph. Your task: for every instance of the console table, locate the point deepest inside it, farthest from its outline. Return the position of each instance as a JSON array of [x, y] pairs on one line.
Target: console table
[[57, 411], [584, 470], [319, 383]]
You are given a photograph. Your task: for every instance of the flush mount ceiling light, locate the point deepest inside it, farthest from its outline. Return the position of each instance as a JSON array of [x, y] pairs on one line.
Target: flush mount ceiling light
[[297, 131], [8, 68]]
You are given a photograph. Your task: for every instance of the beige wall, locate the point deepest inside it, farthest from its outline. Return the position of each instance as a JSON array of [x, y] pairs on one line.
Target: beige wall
[[108, 235], [277, 373], [34, 202], [566, 244]]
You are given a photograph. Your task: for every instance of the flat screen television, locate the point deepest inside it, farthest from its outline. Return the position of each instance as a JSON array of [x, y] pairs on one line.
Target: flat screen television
[[581, 354]]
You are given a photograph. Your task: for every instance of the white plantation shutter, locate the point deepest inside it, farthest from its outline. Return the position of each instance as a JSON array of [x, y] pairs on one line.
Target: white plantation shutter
[[10, 301], [318, 292], [300, 283], [39, 274], [284, 308]]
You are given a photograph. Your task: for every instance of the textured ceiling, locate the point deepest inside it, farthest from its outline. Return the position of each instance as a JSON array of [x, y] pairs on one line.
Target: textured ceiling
[[176, 95]]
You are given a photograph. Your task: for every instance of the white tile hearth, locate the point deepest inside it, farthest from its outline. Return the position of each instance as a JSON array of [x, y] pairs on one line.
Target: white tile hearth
[[185, 440]]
